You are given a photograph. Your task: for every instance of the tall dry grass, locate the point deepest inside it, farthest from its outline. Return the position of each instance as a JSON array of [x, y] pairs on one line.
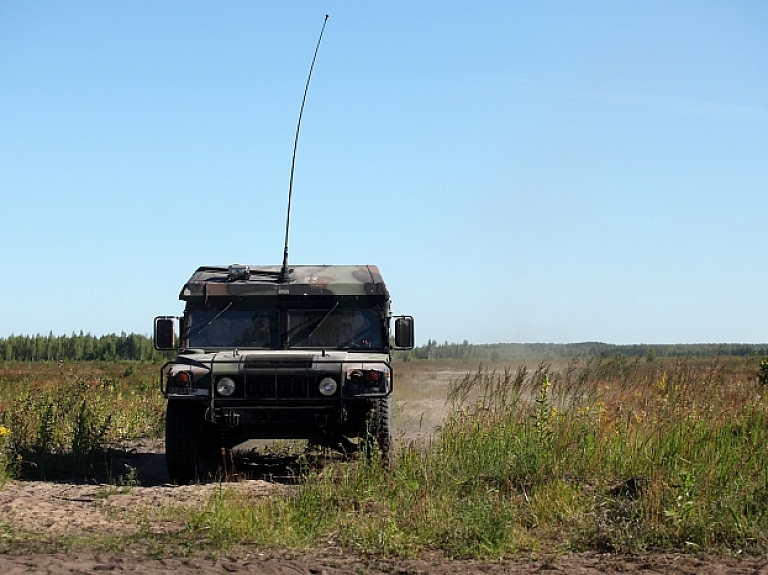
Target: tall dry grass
[[602, 454]]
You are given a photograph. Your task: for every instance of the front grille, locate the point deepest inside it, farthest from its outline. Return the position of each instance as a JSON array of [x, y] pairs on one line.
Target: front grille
[[280, 386]]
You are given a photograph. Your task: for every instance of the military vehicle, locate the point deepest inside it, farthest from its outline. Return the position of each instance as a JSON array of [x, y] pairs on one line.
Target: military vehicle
[[266, 352]]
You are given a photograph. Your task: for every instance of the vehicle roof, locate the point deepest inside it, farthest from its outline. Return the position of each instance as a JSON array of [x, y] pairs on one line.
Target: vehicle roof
[[302, 280]]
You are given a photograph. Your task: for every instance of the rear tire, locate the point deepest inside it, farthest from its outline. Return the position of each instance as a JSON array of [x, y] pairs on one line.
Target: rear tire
[[189, 455]]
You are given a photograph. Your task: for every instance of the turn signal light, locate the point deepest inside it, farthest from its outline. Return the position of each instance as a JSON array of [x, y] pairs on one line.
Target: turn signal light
[[372, 376]]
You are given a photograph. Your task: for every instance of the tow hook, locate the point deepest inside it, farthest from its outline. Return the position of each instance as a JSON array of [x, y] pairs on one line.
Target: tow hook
[[231, 418], [210, 415], [321, 420]]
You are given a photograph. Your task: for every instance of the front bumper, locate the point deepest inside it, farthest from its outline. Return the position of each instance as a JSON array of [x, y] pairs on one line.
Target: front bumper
[[278, 389]]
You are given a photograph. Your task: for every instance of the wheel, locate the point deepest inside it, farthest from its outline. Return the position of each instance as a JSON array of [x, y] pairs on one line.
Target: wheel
[[189, 453], [380, 426]]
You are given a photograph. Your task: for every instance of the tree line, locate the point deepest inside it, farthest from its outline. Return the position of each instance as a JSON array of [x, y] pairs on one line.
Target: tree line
[[137, 347], [79, 347], [514, 351]]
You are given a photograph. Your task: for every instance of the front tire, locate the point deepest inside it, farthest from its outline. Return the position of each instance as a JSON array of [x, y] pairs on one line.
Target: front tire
[[188, 455], [380, 425]]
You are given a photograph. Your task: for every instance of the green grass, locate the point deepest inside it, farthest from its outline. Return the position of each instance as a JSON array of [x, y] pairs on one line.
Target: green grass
[[598, 455], [594, 456], [58, 418]]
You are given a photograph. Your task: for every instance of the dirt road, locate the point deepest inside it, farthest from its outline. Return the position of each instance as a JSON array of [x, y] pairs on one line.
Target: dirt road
[[82, 563]]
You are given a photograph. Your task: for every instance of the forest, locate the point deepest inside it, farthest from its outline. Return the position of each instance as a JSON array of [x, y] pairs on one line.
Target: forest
[[79, 347], [138, 347]]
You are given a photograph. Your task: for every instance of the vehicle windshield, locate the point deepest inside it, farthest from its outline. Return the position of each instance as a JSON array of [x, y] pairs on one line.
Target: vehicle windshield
[[329, 328], [335, 328], [233, 328]]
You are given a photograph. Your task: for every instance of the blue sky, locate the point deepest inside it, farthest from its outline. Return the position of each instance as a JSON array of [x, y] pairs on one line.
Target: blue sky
[[541, 171]]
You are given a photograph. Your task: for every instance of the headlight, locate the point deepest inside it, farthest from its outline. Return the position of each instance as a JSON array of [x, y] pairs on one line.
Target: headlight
[[225, 386], [328, 386]]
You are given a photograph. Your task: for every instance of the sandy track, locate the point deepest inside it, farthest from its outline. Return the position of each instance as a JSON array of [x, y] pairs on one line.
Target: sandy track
[[60, 564]]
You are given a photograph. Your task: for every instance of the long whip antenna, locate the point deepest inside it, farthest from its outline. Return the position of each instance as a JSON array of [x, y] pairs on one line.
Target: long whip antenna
[[284, 270]]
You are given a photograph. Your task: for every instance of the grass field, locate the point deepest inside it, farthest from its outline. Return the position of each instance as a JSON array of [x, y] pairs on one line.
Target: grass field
[[58, 418], [605, 455]]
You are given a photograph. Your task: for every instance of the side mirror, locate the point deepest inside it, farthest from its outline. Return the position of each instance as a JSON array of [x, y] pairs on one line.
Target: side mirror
[[165, 333], [404, 332]]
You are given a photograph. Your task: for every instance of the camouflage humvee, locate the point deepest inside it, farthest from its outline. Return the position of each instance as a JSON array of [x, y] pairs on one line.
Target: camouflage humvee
[[269, 354]]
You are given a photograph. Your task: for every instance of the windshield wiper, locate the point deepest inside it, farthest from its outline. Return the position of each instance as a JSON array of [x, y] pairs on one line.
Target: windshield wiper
[[314, 329], [325, 317], [206, 326]]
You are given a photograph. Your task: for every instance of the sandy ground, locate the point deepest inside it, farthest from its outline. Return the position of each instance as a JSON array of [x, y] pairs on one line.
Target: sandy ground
[[138, 496], [60, 564]]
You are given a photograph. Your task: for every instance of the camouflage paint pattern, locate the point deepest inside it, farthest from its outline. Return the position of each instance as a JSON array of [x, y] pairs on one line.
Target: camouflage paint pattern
[[336, 280]]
